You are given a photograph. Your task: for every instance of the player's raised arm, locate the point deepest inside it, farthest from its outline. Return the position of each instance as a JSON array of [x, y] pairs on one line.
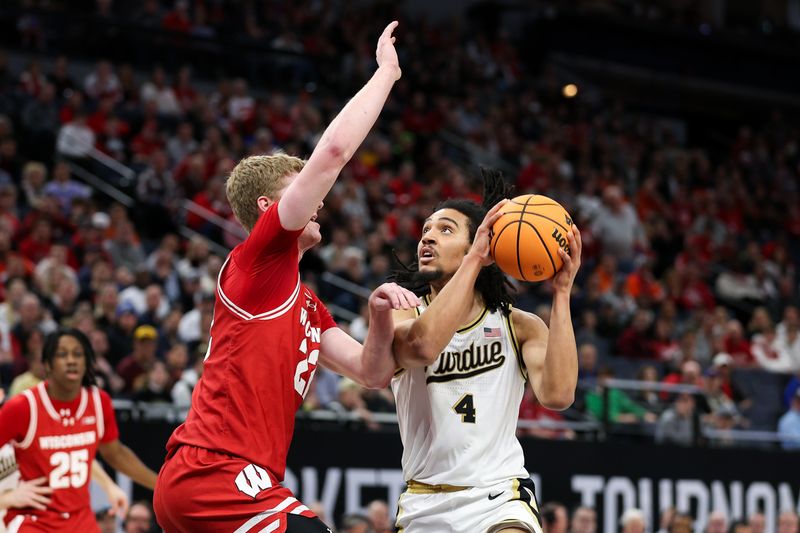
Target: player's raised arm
[[341, 139], [418, 341], [371, 365], [551, 357]]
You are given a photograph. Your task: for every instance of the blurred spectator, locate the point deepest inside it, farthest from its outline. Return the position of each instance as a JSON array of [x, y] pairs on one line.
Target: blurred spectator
[[740, 526], [65, 189], [789, 424], [587, 362], [355, 523], [681, 523], [350, 400], [132, 367], [102, 82], [636, 341], [139, 518], [757, 522], [737, 345], [157, 386], [664, 519], [532, 411], [75, 139], [554, 518], [378, 514], [34, 176], [182, 144], [618, 227], [633, 521], [61, 79], [124, 249], [621, 408], [106, 521], [788, 522], [158, 91], [722, 363], [183, 388], [717, 523], [32, 351], [648, 398], [584, 520], [677, 425]]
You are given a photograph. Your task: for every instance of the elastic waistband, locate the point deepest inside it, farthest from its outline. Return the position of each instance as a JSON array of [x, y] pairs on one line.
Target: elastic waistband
[[416, 487]]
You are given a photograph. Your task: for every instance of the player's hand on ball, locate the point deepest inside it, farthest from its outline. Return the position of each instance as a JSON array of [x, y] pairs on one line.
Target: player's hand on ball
[[480, 245], [385, 53], [392, 296], [565, 277]]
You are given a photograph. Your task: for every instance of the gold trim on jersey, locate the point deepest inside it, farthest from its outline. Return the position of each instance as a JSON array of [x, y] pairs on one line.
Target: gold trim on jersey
[[469, 327], [416, 487], [398, 371], [515, 343], [475, 323]]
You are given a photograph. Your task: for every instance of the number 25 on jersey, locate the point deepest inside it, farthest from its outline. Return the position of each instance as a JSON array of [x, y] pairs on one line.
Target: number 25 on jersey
[[71, 469]]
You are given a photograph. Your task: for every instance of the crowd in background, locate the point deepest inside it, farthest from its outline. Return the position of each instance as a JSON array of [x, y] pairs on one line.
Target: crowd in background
[[690, 253]]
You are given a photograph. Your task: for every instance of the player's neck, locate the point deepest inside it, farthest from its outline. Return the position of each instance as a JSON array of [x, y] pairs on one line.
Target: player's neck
[[62, 394]]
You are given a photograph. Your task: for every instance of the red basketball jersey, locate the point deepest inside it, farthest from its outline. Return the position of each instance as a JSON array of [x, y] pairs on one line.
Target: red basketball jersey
[[262, 355], [58, 441]]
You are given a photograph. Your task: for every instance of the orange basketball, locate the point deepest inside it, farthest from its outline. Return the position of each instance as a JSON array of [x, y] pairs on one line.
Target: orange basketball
[[526, 239]]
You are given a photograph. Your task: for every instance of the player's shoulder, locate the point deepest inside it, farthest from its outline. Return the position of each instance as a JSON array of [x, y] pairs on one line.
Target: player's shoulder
[[527, 325], [105, 398], [16, 402]]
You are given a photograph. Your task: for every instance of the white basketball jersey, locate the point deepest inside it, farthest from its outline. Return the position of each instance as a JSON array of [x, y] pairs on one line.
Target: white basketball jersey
[[458, 416]]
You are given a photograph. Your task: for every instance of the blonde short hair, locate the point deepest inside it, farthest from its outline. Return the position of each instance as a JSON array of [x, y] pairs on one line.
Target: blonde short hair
[[254, 176]]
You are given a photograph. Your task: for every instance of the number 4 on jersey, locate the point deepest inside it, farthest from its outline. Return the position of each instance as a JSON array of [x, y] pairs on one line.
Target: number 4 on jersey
[[465, 408]]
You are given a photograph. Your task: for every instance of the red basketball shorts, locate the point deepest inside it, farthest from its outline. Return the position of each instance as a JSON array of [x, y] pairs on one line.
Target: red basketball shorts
[[201, 490]]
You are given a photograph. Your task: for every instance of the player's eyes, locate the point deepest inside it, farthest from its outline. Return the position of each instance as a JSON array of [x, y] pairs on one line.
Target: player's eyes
[[425, 230], [447, 229]]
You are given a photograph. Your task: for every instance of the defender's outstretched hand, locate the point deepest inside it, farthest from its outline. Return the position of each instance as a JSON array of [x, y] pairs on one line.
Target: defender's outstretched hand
[[566, 276], [392, 296], [385, 53]]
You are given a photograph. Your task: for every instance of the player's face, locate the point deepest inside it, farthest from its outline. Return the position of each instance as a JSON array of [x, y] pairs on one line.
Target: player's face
[[444, 242], [69, 363]]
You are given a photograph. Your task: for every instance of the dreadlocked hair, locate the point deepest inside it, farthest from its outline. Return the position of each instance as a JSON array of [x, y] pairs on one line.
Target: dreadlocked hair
[[51, 347], [492, 284]]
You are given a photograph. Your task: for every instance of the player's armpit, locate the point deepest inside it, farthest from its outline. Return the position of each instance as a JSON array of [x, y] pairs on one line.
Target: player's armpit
[[532, 335], [406, 353]]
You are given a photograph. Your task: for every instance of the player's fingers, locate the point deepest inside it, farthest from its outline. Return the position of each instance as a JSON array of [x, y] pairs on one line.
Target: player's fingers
[[390, 28], [394, 299], [578, 242], [498, 206], [566, 258], [37, 481], [410, 298], [42, 490]]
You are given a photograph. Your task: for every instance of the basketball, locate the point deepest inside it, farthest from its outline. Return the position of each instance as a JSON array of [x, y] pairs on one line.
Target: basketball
[[526, 238]]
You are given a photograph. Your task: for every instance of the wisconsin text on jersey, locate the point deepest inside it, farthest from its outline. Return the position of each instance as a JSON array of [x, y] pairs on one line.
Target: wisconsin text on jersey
[[472, 361]]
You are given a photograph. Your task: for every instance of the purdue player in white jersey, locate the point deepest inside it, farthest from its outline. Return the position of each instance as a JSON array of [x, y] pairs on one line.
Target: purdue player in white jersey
[[464, 359]]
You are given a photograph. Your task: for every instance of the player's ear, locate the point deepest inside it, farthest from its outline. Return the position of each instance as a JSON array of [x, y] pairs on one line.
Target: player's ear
[[264, 203]]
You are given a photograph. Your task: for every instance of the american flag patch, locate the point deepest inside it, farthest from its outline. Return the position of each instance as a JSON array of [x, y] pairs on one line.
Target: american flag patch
[[491, 332]]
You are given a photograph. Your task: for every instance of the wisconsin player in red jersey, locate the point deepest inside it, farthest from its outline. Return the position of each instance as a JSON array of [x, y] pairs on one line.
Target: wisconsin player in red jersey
[[57, 427], [225, 463]]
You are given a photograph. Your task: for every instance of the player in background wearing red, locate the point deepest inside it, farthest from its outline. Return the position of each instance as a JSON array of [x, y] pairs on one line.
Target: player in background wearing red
[[225, 464], [57, 428]]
